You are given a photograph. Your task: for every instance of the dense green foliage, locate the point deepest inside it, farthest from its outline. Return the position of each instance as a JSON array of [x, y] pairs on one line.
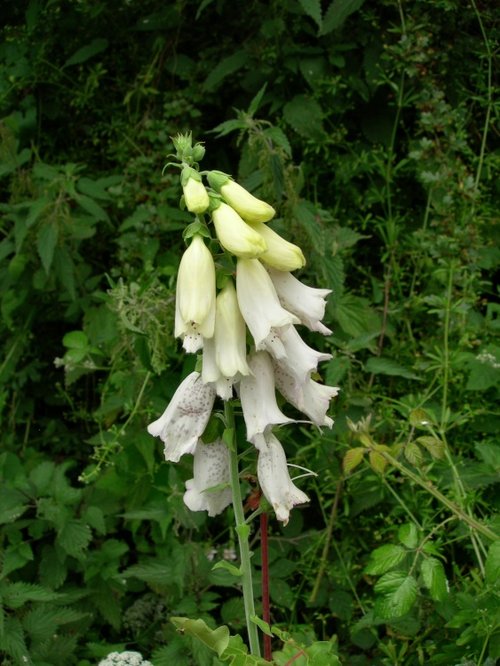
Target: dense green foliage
[[370, 127]]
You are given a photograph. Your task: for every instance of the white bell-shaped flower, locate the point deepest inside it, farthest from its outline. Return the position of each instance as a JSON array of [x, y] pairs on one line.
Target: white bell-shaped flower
[[258, 397], [211, 372], [185, 417], [298, 357], [195, 296], [309, 397], [209, 489], [258, 300], [274, 479], [306, 302]]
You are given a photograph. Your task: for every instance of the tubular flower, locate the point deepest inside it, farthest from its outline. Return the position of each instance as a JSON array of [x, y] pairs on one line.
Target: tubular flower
[[185, 417], [274, 479], [306, 302], [230, 334], [211, 373], [195, 194], [258, 301], [245, 204], [292, 352], [258, 397], [195, 296], [210, 469], [308, 396], [280, 253], [235, 235]]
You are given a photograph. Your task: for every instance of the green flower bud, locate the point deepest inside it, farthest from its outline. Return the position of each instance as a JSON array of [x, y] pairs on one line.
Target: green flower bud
[[198, 152]]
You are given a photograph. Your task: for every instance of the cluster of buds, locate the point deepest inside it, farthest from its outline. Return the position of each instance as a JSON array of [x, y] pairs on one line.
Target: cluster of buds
[[243, 285]]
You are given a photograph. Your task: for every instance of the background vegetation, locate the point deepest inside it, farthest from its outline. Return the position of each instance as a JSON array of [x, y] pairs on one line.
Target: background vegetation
[[374, 137]]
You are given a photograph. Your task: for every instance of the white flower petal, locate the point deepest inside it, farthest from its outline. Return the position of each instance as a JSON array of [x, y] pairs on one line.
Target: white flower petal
[[309, 397], [258, 301], [210, 469], [230, 334], [299, 358], [306, 302], [185, 417], [274, 479], [258, 397]]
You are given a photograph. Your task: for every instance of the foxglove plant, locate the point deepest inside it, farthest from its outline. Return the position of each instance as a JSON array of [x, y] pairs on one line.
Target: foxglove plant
[[231, 281]]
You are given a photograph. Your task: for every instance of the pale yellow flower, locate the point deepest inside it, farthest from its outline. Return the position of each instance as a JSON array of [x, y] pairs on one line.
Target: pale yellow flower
[[280, 253], [195, 194], [235, 235]]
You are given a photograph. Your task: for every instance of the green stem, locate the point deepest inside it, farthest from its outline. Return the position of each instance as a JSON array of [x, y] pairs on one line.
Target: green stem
[[430, 488], [243, 531]]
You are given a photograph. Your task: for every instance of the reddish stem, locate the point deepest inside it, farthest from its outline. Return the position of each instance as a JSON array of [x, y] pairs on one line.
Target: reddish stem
[[266, 609]]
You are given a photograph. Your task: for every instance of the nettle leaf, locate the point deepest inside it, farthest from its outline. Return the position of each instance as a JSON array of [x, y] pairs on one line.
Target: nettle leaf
[[313, 9], [377, 461], [352, 459], [215, 639], [46, 242], [408, 535], [399, 595], [86, 52], [433, 445], [15, 595], [74, 537], [434, 578], [337, 13], [227, 66], [12, 641], [305, 116], [492, 565], [413, 453], [384, 558]]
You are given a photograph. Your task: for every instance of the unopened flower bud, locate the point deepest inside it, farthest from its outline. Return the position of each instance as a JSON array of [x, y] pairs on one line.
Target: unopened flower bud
[[195, 194], [198, 152], [235, 235], [245, 204], [280, 253]]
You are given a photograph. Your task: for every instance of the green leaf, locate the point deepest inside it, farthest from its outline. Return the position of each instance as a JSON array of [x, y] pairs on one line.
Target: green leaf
[[255, 103], [15, 595], [492, 565], [413, 453], [419, 418], [408, 535], [384, 558], [352, 459], [263, 626], [75, 340], [86, 52], [74, 537], [433, 445], [337, 13], [434, 578], [216, 639], [399, 594], [223, 564], [380, 365], [227, 66], [13, 504], [313, 9], [92, 207], [46, 242], [305, 115]]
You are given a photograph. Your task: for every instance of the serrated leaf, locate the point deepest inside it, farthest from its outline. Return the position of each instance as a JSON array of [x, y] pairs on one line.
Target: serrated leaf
[[17, 594], [352, 459], [227, 66], [399, 594], [492, 564], [65, 270], [215, 639], [74, 537], [433, 445], [413, 453], [419, 418], [86, 52], [384, 558], [92, 207], [337, 13], [46, 242], [434, 578], [313, 9], [12, 642], [255, 103], [408, 535], [377, 461], [277, 136], [380, 365], [305, 115]]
